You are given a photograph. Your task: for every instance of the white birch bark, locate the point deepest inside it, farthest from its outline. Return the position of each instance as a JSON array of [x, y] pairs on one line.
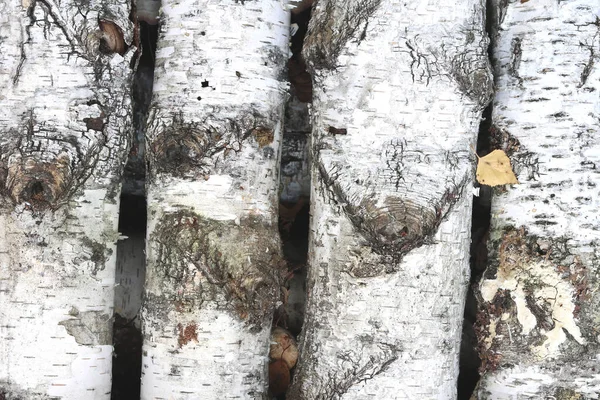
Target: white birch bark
[[398, 93], [539, 317], [213, 249], [64, 125]]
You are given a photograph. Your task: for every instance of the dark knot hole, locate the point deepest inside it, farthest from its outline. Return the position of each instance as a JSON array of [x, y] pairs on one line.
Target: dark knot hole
[[36, 191]]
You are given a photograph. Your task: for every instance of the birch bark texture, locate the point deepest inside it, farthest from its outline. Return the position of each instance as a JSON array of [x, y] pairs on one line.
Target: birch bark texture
[[398, 92], [213, 250], [538, 321], [64, 130]]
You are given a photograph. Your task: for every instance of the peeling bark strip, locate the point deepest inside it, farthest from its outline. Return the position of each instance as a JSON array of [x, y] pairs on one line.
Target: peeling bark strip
[[214, 132], [391, 196], [538, 324], [64, 122]]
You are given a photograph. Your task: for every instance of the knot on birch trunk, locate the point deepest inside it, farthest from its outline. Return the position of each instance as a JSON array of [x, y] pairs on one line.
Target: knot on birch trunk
[[397, 221], [39, 183], [188, 148], [390, 226], [393, 228], [473, 75]]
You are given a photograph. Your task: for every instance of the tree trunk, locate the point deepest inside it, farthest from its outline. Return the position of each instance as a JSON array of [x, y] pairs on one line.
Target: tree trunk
[[64, 130], [398, 94], [539, 313], [213, 251]]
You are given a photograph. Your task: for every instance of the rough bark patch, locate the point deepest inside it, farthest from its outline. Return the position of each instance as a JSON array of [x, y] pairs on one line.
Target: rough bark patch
[[48, 179], [236, 267], [465, 64], [486, 330], [263, 136], [366, 361], [331, 28], [476, 82], [567, 394], [10, 392], [187, 334], [530, 298], [525, 163], [99, 254]]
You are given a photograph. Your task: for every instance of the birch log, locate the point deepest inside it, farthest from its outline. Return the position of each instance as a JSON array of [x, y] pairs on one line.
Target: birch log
[[398, 93], [65, 75], [538, 323], [213, 252]]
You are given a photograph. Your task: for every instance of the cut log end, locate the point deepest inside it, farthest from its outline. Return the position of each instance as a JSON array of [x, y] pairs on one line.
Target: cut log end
[[279, 378], [111, 40]]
